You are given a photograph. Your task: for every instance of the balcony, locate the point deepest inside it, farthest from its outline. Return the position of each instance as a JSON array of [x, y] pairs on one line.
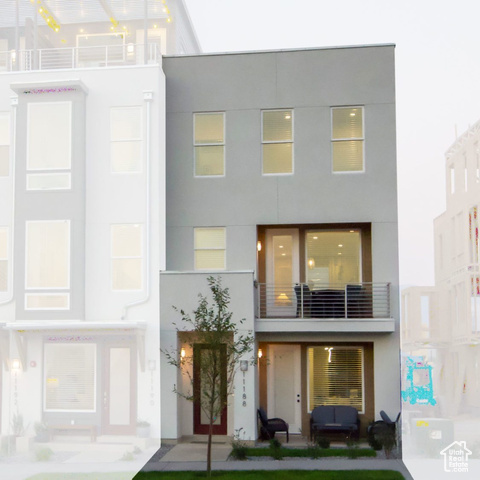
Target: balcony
[[80, 57], [360, 307]]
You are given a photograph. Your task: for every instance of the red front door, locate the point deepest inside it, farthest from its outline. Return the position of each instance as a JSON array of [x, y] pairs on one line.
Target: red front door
[[209, 375]]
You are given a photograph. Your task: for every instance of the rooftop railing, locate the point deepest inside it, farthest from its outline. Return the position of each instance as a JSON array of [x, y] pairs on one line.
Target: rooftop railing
[[79, 57], [356, 300]]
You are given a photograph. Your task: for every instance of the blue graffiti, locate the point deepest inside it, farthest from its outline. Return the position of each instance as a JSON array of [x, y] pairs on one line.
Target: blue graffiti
[[419, 384]]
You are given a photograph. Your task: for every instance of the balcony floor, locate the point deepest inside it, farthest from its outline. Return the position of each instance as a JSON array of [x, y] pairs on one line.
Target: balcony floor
[[353, 325]]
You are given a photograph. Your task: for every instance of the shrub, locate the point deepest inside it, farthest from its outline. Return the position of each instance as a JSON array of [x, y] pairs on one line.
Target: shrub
[[239, 447], [322, 442], [276, 449], [43, 454]]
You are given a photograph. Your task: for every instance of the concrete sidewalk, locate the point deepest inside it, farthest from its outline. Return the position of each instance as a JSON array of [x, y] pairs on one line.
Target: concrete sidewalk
[[191, 456]]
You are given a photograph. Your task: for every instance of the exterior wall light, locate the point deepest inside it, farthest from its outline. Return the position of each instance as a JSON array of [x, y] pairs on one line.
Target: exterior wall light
[[260, 353], [15, 364], [183, 353], [259, 246]]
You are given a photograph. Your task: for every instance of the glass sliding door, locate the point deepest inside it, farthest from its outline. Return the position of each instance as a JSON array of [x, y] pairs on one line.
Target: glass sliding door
[[282, 271], [333, 258]]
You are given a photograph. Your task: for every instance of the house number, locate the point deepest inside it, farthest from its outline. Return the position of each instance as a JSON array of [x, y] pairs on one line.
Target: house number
[[244, 396]]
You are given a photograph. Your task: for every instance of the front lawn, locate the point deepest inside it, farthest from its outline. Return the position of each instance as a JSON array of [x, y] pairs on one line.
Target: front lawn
[[276, 475]]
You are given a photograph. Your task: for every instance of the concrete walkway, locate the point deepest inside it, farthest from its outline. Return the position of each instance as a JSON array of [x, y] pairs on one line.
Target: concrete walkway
[[193, 456]]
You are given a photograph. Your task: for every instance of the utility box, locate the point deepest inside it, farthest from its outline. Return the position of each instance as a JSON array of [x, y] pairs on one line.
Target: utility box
[[432, 435]]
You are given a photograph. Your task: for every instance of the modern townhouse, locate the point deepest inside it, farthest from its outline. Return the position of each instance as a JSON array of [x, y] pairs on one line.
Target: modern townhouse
[[281, 180], [82, 212]]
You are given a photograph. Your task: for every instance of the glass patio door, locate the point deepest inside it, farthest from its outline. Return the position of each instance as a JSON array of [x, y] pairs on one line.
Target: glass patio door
[[282, 271]]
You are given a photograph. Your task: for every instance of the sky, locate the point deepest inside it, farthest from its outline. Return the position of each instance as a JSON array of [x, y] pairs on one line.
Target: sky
[[437, 82]]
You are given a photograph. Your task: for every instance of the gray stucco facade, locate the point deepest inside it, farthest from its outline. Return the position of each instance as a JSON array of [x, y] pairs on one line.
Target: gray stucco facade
[[247, 203]]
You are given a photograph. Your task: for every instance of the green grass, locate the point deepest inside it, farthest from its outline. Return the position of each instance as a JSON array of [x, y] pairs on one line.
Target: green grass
[[83, 476], [306, 453], [276, 475]]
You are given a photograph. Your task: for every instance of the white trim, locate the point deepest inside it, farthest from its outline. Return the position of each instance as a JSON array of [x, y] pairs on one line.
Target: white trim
[[69, 260], [195, 145], [348, 139], [270, 142]]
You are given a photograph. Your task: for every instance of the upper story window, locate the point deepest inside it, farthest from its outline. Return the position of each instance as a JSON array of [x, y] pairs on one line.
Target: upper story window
[[127, 256], [126, 139], [209, 248], [49, 146], [209, 144], [277, 142], [47, 265], [348, 139], [3, 259], [4, 144]]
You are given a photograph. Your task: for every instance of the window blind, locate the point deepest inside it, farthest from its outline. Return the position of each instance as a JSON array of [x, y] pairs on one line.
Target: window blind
[[48, 254], [70, 377], [127, 256], [126, 139], [209, 142], [336, 376], [277, 140], [347, 139], [209, 244]]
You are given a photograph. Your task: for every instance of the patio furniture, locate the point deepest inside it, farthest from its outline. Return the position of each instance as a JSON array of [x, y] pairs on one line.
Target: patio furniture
[[334, 418], [328, 303], [270, 426], [304, 300]]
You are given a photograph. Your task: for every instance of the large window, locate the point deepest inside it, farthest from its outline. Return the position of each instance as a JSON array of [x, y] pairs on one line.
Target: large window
[[277, 142], [209, 248], [70, 377], [126, 139], [3, 259], [333, 258], [49, 146], [348, 139], [209, 144], [47, 265], [4, 144], [127, 247], [336, 376]]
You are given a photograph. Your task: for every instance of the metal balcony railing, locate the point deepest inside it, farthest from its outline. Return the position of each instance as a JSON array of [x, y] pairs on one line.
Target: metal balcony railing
[[79, 57], [356, 300]]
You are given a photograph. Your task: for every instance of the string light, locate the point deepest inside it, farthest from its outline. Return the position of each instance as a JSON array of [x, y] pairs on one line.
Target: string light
[[48, 17]]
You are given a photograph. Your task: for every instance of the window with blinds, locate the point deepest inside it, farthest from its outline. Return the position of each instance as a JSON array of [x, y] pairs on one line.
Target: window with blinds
[[209, 144], [48, 255], [126, 139], [4, 144], [3, 259], [277, 142], [209, 244], [348, 139], [49, 145], [336, 376], [70, 377], [127, 257]]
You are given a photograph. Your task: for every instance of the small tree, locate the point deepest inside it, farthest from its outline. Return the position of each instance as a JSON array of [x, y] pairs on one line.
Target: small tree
[[214, 338]]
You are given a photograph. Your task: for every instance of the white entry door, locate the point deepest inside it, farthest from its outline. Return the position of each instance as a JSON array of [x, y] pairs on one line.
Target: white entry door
[[284, 385]]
